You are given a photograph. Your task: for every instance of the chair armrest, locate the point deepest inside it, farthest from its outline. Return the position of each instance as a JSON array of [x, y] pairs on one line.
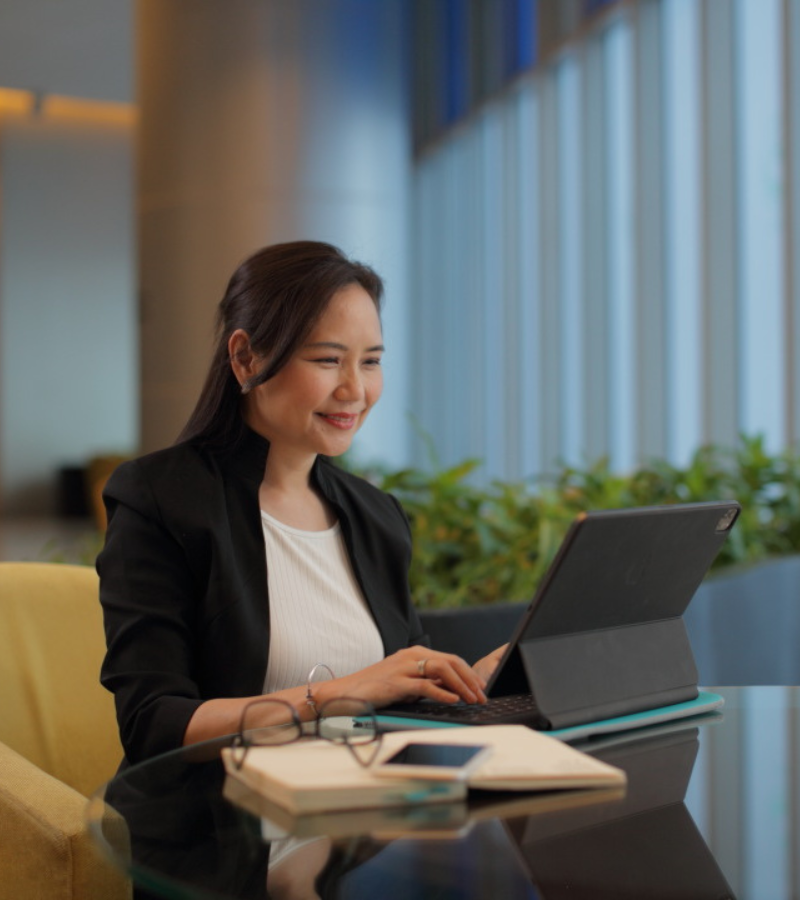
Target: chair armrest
[[47, 849]]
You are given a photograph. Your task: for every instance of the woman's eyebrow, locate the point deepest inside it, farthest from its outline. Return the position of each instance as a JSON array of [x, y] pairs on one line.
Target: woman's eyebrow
[[334, 345]]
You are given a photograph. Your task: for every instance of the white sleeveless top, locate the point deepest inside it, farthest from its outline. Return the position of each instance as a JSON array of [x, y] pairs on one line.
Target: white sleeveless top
[[317, 611]]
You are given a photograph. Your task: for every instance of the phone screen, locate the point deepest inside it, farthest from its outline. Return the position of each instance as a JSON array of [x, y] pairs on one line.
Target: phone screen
[[446, 755]]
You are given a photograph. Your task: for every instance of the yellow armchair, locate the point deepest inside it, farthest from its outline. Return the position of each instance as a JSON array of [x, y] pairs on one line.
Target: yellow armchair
[[58, 734]]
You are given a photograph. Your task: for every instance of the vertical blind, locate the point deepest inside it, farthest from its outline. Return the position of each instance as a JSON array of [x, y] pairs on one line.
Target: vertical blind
[[605, 236]]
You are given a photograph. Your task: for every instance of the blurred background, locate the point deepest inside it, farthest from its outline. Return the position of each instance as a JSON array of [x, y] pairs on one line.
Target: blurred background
[[585, 213]]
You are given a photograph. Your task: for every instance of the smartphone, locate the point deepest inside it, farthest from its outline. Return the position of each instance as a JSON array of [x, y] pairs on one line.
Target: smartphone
[[442, 762]]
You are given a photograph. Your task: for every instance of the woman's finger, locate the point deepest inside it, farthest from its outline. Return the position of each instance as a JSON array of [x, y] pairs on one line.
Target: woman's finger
[[452, 674], [485, 667]]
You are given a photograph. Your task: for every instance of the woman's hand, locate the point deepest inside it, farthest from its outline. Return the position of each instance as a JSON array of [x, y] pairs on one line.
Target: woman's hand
[[410, 674], [485, 667]]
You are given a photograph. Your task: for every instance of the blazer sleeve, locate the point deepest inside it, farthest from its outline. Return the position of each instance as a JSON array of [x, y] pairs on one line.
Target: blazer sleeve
[[149, 602]]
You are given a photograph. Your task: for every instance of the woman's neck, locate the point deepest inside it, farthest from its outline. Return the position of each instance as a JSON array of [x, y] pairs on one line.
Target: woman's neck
[[286, 493]]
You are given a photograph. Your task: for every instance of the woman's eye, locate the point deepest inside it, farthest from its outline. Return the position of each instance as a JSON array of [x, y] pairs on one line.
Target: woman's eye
[[373, 361], [328, 360]]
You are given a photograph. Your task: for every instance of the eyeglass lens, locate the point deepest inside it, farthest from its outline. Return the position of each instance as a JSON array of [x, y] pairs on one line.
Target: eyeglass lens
[[269, 722]]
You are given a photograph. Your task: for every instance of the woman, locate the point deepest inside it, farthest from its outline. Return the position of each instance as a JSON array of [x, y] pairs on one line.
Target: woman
[[239, 558]]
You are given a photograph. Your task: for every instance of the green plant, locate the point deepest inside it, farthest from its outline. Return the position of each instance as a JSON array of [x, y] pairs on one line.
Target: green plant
[[478, 545], [471, 544]]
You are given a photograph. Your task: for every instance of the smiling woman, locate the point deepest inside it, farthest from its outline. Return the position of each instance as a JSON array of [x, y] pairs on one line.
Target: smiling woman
[[241, 559]]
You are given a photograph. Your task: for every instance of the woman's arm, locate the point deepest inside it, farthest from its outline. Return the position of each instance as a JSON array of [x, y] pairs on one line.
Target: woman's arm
[[406, 675]]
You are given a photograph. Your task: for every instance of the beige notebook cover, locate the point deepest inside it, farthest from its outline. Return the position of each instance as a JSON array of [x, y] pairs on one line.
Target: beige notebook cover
[[318, 775]]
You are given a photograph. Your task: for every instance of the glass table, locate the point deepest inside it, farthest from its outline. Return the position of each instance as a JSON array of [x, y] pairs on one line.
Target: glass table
[[710, 811]]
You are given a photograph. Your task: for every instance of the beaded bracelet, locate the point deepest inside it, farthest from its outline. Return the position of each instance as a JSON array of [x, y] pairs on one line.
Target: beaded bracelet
[[310, 702]]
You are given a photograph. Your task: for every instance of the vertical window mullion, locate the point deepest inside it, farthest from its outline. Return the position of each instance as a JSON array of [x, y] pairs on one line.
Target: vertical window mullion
[[791, 104], [511, 261], [570, 252], [760, 272], [424, 275], [594, 279], [549, 168], [449, 338], [493, 294], [649, 183], [475, 262], [721, 383], [529, 237], [683, 231], [621, 339]]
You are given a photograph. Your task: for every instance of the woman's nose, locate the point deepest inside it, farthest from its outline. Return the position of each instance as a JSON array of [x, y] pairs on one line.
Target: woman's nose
[[351, 386]]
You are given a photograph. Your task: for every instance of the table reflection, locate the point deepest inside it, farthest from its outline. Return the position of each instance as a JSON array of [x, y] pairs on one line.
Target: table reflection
[[188, 831]]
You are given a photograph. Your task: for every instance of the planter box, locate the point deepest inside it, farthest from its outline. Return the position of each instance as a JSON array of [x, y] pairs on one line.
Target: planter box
[[744, 626], [472, 631]]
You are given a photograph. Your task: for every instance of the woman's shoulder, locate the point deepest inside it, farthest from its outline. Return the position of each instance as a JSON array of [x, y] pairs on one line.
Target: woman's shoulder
[[176, 469]]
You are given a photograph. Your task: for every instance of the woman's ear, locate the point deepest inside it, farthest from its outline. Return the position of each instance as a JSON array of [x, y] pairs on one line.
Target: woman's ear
[[243, 359]]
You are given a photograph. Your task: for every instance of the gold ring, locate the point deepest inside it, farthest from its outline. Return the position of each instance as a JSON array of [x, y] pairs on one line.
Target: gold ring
[[421, 663]]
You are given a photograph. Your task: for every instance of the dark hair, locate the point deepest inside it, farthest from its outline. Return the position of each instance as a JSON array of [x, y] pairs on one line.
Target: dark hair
[[276, 296]]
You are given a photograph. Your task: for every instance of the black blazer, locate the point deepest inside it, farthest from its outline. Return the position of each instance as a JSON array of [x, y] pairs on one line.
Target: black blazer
[[183, 581]]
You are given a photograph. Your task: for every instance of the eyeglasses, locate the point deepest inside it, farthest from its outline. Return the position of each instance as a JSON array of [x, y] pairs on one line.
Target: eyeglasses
[[345, 720]]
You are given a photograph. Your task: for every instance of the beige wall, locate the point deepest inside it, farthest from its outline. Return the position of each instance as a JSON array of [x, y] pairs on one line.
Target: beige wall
[[68, 323]]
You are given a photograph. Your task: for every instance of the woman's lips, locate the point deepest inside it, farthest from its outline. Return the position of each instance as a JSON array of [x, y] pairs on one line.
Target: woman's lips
[[340, 420]]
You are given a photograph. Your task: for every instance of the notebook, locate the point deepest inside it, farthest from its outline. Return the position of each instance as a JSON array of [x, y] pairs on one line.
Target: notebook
[[318, 776], [604, 635]]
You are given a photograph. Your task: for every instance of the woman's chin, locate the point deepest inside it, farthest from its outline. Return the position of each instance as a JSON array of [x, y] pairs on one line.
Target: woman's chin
[[335, 447]]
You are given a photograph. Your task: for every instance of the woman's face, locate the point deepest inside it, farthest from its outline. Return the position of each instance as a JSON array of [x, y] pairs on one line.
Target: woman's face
[[321, 397]]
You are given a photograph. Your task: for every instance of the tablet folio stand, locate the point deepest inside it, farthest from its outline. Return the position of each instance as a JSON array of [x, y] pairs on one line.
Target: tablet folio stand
[[605, 635], [611, 672]]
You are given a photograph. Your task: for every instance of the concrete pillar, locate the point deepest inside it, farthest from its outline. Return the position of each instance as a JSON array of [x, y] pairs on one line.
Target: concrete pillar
[[264, 121]]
